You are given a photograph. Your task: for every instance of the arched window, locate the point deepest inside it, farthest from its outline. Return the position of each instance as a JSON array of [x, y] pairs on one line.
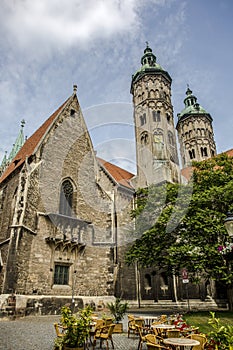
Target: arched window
[[171, 138], [158, 136], [192, 154], [144, 138], [66, 198]]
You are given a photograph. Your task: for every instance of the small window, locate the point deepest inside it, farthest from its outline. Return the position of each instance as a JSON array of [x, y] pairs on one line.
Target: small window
[[61, 274], [192, 154], [143, 119], [204, 152], [156, 116], [72, 112], [144, 138]]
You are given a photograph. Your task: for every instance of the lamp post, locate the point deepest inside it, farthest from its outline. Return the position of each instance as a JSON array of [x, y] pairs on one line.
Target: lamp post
[[228, 222]]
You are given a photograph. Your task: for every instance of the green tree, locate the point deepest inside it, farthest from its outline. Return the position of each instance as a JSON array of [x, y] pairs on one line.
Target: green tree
[[181, 226]]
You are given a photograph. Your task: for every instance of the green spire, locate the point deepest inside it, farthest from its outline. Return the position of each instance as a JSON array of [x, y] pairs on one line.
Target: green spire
[[15, 149], [18, 142], [191, 105], [149, 65]]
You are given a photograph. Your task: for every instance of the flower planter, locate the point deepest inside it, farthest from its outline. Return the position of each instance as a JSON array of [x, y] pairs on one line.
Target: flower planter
[[118, 328]]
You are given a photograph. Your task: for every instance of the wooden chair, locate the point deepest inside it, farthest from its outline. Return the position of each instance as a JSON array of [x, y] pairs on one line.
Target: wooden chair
[[59, 330], [201, 338], [156, 347], [142, 338], [94, 331], [105, 334], [133, 322], [153, 339]]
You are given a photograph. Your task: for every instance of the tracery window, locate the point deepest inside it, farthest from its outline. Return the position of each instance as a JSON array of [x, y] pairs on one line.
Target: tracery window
[[66, 198]]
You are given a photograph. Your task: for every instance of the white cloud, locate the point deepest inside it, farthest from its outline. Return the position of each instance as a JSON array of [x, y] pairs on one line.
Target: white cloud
[[39, 21]]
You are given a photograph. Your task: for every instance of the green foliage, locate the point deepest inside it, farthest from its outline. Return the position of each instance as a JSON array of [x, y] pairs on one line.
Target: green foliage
[[182, 225], [221, 335], [118, 309], [77, 326]]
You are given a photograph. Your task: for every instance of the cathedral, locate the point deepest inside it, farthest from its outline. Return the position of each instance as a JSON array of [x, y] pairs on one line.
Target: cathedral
[[65, 219]]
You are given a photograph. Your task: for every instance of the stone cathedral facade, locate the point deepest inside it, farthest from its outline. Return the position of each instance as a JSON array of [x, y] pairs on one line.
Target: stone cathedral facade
[[65, 213]]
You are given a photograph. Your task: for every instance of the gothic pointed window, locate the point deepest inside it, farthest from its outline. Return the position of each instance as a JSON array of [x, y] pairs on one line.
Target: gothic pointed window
[[66, 198]]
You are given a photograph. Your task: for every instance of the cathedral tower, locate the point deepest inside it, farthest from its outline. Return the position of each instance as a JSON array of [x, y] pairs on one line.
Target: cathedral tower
[[195, 132], [156, 151]]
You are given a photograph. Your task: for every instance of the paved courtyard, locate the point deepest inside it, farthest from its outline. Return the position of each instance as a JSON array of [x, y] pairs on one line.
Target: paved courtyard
[[37, 333]]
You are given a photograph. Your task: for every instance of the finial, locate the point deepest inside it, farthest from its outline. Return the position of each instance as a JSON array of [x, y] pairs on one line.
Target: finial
[[75, 88], [22, 123], [147, 44]]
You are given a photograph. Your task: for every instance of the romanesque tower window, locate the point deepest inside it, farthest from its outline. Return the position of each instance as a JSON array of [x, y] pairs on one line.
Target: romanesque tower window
[[143, 119], [144, 138], [204, 152], [191, 153], [171, 138], [61, 274], [66, 198], [156, 116]]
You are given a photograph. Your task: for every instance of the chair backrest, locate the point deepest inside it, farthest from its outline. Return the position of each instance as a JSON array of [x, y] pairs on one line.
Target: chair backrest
[[155, 347], [151, 338], [108, 321], [130, 317], [163, 318], [201, 338], [111, 329], [99, 323], [173, 333], [57, 330], [139, 330], [139, 322]]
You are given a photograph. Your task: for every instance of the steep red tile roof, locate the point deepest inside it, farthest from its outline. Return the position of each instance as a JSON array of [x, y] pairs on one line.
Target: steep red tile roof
[[30, 145], [120, 175], [229, 152]]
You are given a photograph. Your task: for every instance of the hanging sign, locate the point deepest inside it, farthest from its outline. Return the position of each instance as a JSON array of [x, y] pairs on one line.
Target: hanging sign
[[185, 278]]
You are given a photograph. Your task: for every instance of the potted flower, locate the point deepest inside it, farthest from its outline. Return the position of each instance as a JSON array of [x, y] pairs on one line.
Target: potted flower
[[118, 309], [77, 328]]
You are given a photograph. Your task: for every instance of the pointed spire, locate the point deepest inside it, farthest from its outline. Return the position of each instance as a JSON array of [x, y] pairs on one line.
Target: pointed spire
[[75, 89], [18, 142]]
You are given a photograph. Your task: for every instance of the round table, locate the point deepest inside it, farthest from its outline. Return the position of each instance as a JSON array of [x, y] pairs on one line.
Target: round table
[[181, 342], [162, 328]]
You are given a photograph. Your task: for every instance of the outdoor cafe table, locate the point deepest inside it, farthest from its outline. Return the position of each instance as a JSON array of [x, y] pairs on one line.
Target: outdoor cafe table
[[181, 342], [162, 327]]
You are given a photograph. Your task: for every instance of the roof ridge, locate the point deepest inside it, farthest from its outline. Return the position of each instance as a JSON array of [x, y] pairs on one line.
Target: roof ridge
[[32, 143]]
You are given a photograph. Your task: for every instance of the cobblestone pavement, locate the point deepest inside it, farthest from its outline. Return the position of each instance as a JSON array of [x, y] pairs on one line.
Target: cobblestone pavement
[[37, 333]]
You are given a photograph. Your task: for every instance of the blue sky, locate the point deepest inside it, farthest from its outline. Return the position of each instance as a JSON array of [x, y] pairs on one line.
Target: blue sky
[[47, 46]]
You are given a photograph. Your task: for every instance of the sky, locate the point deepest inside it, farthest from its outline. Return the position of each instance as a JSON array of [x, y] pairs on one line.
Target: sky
[[49, 45]]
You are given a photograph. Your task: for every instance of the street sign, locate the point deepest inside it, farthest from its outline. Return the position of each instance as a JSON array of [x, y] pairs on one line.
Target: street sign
[[185, 278]]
